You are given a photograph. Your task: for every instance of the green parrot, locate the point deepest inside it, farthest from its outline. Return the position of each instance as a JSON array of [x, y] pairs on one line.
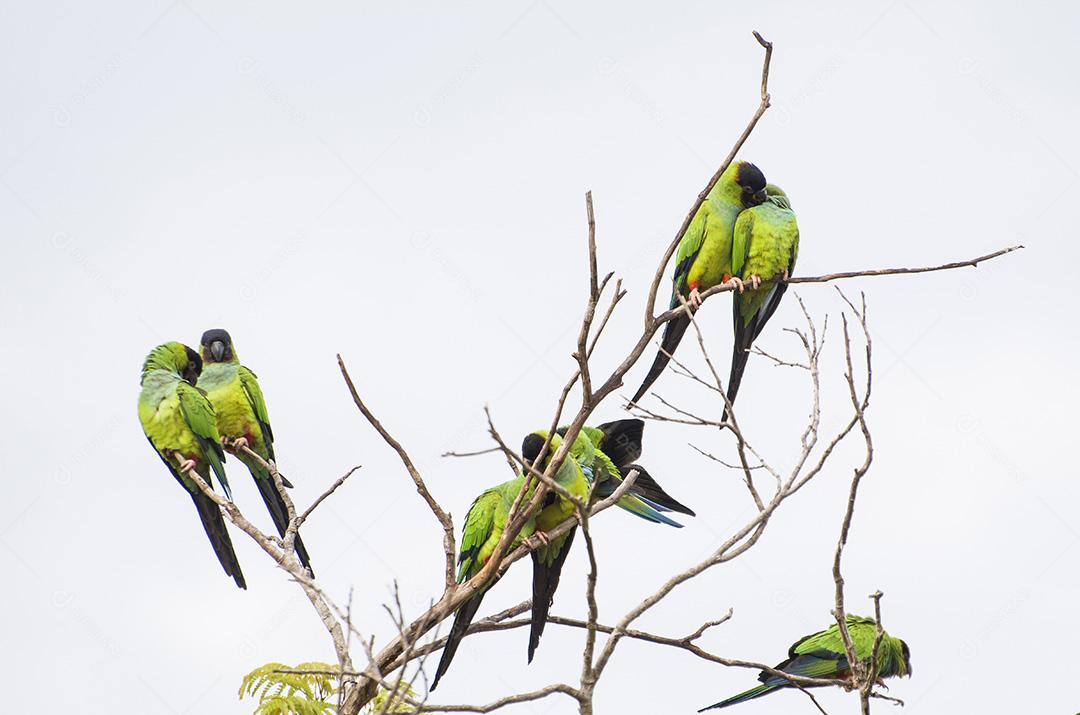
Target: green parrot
[[179, 422], [548, 560], [605, 454], [821, 655], [703, 259], [765, 247], [486, 520], [238, 402]]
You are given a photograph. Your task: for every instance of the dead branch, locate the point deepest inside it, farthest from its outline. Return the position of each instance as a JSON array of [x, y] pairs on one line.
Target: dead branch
[[322, 497], [285, 559], [443, 518], [758, 113], [859, 404], [870, 272]]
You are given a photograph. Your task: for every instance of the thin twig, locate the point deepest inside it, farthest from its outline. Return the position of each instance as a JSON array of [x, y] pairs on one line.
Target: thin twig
[[828, 277], [322, 497]]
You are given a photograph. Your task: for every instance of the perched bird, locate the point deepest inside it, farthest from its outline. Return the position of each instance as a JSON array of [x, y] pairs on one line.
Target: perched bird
[[605, 455], [765, 247], [242, 419], [548, 560], [179, 422], [821, 655], [486, 521], [703, 259]]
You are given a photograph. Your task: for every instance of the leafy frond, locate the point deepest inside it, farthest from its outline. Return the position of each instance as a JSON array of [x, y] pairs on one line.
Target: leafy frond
[[291, 693]]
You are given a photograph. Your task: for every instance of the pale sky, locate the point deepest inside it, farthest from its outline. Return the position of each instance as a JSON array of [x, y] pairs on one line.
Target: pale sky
[[404, 185]]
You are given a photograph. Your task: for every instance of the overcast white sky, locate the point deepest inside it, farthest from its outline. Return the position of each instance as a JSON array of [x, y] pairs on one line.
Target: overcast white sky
[[404, 186]]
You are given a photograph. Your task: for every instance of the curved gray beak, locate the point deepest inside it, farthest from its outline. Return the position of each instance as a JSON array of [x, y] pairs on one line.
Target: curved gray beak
[[760, 196], [217, 350]]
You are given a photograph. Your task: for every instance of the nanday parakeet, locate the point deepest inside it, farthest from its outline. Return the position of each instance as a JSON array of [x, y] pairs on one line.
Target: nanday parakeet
[[703, 258], [822, 655], [605, 455], [548, 560], [242, 418], [484, 526], [179, 422], [765, 247]]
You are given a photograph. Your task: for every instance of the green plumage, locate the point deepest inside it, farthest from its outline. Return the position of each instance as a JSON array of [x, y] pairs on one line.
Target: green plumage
[[601, 453], [548, 560], [180, 424], [765, 245], [821, 655], [703, 258], [486, 522], [240, 411]]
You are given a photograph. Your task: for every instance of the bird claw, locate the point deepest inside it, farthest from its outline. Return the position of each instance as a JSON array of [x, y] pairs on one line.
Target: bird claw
[[755, 281], [186, 465], [237, 444], [737, 282], [695, 298], [538, 536]]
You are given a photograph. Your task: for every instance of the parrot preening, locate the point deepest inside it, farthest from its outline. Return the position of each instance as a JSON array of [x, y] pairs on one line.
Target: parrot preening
[[179, 422], [703, 258], [605, 455], [486, 521], [765, 247], [822, 655], [548, 560], [242, 418]]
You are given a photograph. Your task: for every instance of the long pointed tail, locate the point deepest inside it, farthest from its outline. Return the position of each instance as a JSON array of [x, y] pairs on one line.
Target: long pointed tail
[[743, 697], [462, 620], [740, 353], [648, 489], [746, 334], [545, 582], [644, 509], [673, 333], [280, 514], [214, 525]]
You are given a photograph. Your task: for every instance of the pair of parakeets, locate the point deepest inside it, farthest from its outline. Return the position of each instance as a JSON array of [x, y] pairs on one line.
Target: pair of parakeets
[[744, 233], [188, 403], [602, 456]]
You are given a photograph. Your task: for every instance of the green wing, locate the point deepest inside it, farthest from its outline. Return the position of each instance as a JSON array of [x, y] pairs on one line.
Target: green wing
[[740, 247], [689, 247], [250, 384], [198, 414], [477, 533]]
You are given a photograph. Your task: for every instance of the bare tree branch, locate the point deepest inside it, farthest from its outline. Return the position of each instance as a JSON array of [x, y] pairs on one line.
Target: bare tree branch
[[828, 277], [322, 497], [444, 519], [286, 560], [758, 113]]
